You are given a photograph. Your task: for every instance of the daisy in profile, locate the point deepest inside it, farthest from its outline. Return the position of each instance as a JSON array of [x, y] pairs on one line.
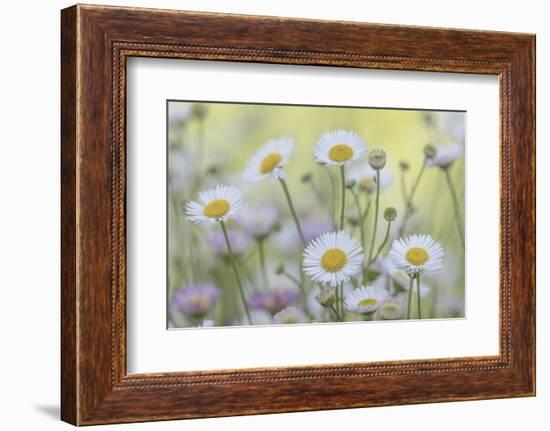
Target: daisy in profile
[[417, 254], [268, 161], [290, 315], [392, 309], [445, 155], [333, 258], [215, 205], [365, 177], [366, 300], [340, 148]]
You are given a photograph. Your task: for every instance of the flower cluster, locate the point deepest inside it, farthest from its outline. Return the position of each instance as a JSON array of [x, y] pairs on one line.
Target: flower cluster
[[362, 261]]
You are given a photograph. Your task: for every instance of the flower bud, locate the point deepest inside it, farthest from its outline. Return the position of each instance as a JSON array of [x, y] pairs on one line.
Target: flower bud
[[213, 170], [354, 221], [327, 296], [429, 151], [377, 159], [199, 110], [390, 310], [390, 214]]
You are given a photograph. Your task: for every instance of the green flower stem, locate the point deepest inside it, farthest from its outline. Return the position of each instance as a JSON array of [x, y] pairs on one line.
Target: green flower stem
[[418, 295], [292, 278], [456, 206], [337, 302], [292, 211], [365, 216], [237, 276], [410, 297], [261, 253], [338, 317], [386, 237], [409, 201], [340, 290], [332, 195], [375, 227], [403, 187], [343, 196], [368, 200], [361, 224]]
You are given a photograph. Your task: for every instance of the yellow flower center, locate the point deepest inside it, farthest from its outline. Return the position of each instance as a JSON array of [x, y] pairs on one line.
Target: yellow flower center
[[368, 302], [334, 260], [269, 163], [417, 256], [390, 307], [216, 208], [340, 153], [367, 183], [200, 301]]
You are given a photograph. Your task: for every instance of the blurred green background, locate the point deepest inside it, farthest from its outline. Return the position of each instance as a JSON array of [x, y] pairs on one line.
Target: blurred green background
[[210, 143]]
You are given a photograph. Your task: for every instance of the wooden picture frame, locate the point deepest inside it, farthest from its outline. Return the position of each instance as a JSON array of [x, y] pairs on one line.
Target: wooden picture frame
[[96, 41]]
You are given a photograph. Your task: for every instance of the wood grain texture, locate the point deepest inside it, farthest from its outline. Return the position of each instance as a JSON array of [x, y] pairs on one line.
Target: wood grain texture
[[96, 42]]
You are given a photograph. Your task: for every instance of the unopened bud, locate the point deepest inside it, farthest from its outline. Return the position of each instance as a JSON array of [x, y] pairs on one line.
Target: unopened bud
[[377, 159]]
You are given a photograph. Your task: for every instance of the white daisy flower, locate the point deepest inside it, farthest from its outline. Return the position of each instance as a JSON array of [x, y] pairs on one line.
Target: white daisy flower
[[365, 177], [417, 254], [269, 160], [445, 155], [290, 315], [215, 205], [366, 299], [339, 148], [333, 258]]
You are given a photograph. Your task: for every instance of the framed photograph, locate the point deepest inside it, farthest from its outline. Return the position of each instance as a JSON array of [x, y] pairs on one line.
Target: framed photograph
[[324, 214]]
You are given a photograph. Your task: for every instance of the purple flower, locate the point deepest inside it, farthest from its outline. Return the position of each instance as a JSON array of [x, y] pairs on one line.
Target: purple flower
[[258, 220], [274, 300], [196, 300], [238, 239]]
